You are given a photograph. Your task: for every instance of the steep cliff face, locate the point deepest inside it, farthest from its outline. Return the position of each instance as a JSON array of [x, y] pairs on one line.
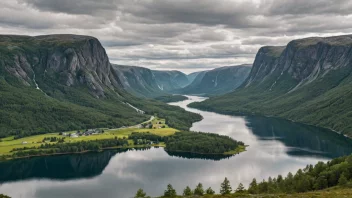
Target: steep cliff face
[[308, 81], [139, 81], [68, 60], [218, 81]]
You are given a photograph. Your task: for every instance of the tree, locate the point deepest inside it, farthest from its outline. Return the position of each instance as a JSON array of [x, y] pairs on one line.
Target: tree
[[199, 189], [210, 191], [321, 183], [342, 180], [253, 187], [240, 188], [170, 191], [225, 187], [187, 191], [140, 194]]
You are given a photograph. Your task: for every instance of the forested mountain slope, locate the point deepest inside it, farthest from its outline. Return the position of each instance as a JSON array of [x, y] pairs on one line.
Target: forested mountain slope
[[218, 81], [66, 82], [308, 81]]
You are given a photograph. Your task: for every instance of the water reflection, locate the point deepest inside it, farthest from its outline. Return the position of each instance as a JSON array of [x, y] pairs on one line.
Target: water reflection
[[275, 147]]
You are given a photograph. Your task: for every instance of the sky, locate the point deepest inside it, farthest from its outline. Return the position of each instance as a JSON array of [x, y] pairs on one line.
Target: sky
[[185, 35]]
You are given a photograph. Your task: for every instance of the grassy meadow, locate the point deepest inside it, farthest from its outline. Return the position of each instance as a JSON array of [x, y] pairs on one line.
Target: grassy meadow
[[9, 143]]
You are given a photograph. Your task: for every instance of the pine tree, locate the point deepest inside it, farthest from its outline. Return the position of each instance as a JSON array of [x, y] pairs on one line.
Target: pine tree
[[140, 194], [253, 187], [187, 191], [199, 190], [240, 188], [225, 187], [342, 180], [210, 191], [170, 191]]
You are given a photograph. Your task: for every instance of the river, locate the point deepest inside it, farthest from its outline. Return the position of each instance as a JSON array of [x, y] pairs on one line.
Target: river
[[276, 146]]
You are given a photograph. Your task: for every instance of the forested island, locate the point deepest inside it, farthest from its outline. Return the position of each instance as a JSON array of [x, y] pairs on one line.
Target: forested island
[[184, 141]]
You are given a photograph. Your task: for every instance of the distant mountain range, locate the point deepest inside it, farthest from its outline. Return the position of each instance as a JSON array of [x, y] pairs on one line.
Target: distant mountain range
[[309, 81], [217, 81], [66, 82]]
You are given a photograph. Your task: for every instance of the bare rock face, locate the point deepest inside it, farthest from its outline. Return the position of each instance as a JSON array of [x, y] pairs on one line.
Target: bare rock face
[[300, 62], [68, 60]]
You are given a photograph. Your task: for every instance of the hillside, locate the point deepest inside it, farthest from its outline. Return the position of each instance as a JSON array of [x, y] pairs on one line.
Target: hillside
[[217, 81], [170, 80], [66, 82], [308, 81]]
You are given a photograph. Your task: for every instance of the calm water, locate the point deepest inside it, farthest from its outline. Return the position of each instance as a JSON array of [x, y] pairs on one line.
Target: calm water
[[275, 147]]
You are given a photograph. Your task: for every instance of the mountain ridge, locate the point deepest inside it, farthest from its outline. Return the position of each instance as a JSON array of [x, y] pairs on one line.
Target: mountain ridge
[[308, 81]]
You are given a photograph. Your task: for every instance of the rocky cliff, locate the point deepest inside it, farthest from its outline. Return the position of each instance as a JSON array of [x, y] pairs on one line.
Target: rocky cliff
[[309, 80], [69, 60]]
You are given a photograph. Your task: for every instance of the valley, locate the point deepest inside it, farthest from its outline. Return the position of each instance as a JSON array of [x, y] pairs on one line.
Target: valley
[[275, 147]]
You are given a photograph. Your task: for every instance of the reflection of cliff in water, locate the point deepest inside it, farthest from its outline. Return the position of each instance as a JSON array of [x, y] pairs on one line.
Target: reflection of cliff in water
[[188, 155], [57, 167], [304, 140]]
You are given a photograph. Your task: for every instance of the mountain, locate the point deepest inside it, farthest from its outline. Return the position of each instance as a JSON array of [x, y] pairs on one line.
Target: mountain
[[193, 75], [308, 81], [170, 80], [66, 82], [217, 81], [139, 81]]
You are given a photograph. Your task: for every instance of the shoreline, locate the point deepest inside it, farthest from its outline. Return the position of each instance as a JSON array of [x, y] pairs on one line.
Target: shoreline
[[269, 116]]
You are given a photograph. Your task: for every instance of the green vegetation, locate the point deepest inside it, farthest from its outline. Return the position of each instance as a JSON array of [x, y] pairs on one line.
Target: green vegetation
[[4, 196], [77, 142], [171, 98], [26, 111], [296, 91], [331, 179], [202, 143]]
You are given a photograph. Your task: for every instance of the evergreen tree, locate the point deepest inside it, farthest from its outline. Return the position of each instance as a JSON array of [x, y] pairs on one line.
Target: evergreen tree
[[140, 194], [342, 180], [253, 187], [210, 191], [199, 189], [187, 191], [225, 187], [240, 188], [170, 191]]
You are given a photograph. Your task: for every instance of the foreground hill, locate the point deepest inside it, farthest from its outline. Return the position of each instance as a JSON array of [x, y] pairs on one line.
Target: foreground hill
[[66, 82], [217, 81], [308, 81]]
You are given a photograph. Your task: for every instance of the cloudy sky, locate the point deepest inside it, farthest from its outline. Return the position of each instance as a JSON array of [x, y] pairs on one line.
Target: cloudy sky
[[186, 35]]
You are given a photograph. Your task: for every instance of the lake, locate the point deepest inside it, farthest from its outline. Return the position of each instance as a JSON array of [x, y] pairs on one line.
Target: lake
[[276, 146]]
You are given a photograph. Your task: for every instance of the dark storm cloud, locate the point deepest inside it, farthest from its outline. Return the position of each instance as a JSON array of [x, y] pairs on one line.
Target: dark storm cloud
[[180, 33]]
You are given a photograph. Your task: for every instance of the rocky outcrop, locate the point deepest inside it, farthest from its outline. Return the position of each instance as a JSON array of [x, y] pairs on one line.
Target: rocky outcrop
[[69, 60], [300, 62]]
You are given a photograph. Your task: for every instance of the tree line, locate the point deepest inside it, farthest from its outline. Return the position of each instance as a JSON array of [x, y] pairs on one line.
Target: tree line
[[204, 143], [337, 172]]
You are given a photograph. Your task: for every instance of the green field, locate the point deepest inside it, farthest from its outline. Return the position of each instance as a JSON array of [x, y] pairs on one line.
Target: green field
[[9, 143]]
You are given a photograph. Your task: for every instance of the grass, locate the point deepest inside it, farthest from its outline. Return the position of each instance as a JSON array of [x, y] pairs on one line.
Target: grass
[[238, 150], [9, 143]]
